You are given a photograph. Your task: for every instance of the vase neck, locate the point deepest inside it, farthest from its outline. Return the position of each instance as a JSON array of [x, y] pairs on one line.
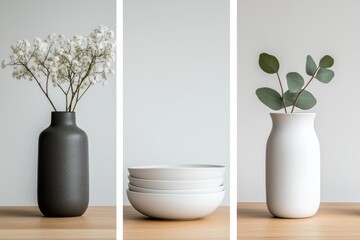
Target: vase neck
[[302, 119], [63, 118]]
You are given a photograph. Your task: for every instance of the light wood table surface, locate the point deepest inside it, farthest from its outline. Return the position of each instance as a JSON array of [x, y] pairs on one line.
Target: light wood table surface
[[335, 221], [28, 223], [138, 227]]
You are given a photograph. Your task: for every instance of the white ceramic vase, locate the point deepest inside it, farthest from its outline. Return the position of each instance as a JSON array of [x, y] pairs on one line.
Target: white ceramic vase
[[293, 166]]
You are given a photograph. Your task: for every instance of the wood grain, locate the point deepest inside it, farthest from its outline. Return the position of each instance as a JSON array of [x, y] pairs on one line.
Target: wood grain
[[139, 227], [336, 221], [28, 223]]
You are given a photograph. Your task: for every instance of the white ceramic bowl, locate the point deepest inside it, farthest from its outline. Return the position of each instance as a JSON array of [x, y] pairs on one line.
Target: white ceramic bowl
[[188, 191], [178, 172], [174, 185], [175, 206]]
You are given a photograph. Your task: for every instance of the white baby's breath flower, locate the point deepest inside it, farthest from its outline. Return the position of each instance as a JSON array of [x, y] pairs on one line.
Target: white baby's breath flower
[[4, 64], [77, 62], [27, 43], [51, 37], [110, 34]]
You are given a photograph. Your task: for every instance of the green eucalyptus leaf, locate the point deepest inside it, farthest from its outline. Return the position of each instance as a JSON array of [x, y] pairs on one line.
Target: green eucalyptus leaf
[[268, 63], [325, 75], [289, 98], [310, 66], [294, 81], [326, 62], [304, 102], [270, 98]]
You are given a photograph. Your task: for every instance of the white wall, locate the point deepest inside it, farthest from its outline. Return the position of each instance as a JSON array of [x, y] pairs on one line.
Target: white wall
[[291, 30], [25, 112], [176, 83]]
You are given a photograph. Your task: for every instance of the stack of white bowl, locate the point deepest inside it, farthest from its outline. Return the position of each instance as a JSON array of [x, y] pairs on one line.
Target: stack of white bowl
[[186, 191]]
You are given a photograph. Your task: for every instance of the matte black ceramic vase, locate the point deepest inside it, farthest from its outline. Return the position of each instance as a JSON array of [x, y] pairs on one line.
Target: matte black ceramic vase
[[63, 168]]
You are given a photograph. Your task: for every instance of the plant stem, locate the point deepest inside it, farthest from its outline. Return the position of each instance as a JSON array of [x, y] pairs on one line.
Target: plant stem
[[82, 80], [47, 84], [66, 102], [302, 90], [47, 96], [282, 91], [67, 94], [79, 97], [47, 54], [61, 88]]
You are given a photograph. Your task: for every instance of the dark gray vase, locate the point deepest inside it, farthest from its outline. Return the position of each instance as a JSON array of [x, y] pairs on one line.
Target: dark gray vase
[[63, 168]]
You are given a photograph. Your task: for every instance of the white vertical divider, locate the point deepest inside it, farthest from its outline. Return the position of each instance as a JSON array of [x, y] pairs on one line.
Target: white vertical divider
[[119, 119], [233, 119]]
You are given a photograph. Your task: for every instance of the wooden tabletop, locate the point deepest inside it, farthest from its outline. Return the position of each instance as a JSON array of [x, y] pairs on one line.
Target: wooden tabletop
[[138, 227], [336, 221], [28, 223]]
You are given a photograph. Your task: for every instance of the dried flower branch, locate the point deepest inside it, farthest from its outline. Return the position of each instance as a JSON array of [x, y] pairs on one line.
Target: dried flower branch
[[73, 65]]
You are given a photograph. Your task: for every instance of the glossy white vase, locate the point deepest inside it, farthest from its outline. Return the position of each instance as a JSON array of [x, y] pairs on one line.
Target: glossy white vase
[[293, 166]]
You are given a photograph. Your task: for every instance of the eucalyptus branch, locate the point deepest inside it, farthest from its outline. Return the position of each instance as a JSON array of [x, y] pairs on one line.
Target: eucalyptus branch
[[282, 91], [303, 89], [296, 96]]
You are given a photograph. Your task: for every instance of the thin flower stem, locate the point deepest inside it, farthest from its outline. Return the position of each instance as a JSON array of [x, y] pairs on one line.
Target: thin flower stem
[[84, 92], [82, 80], [282, 91], [302, 90], [78, 99], [70, 84], [61, 88], [67, 95], [42, 89], [27, 62], [66, 102], [47, 54], [47, 84]]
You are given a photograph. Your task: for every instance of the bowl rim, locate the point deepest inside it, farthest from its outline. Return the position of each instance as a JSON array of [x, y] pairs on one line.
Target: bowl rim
[[177, 167], [175, 190], [175, 195], [174, 181]]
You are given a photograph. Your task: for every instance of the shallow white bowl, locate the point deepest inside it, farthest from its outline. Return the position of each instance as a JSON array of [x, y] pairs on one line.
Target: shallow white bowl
[[175, 206], [174, 185], [187, 191], [178, 172]]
